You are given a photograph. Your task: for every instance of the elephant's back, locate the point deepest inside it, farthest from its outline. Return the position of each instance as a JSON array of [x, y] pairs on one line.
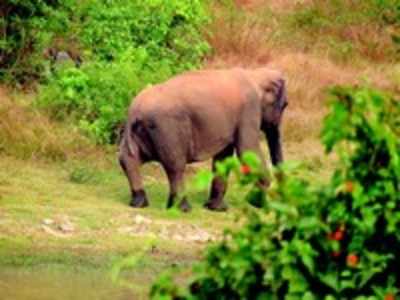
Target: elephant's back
[[224, 84], [147, 102], [192, 89]]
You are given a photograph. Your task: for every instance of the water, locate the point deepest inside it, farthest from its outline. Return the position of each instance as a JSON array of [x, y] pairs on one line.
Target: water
[[61, 285]]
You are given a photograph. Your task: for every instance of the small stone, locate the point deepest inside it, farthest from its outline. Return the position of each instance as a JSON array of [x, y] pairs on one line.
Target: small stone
[[178, 237], [48, 222], [52, 232], [126, 230], [164, 234], [139, 219], [201, 236], [67, 227]]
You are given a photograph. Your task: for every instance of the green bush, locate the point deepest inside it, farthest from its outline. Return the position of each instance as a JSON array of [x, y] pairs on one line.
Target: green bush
[[98, 93], [26, 27], [126, 45], [336, 241], [168, 30]]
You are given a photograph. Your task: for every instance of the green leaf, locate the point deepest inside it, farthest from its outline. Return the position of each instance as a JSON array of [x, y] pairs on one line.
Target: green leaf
[[203, 179]]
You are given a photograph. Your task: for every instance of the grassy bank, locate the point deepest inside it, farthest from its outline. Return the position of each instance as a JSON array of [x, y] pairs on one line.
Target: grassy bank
[[51, 221], [38, 198]]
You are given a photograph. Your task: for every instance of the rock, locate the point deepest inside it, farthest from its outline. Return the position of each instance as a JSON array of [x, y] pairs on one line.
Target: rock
[[48, 222], [52, 232], [139, 219], [164, 233], [178, 237], [66, 227], [139, 230], [199, 236], [62, 57], [126, 229]]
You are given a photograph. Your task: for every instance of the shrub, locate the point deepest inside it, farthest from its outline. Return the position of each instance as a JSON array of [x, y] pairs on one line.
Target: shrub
[[336, 241], [127, 45], [167, 30], [26, 27], [97, 94]]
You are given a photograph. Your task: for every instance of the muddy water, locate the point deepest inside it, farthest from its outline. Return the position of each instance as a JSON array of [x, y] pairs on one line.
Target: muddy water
[[45, 285]]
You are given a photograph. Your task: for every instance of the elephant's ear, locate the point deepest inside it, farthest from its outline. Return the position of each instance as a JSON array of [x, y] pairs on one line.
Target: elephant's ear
[[273, 87], [279, 89]]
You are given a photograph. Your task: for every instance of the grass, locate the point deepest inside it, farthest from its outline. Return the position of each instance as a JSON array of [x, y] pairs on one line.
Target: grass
[[105, 230], [34, 191], [26, 133]]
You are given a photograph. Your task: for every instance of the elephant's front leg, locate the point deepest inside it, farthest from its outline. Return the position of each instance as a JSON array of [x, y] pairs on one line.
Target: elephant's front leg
[[273, 135], [176, 190], [219, 184], [249, 140]]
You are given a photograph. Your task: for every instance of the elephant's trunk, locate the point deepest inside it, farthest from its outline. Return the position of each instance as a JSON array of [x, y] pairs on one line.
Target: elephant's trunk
[[273, 136]]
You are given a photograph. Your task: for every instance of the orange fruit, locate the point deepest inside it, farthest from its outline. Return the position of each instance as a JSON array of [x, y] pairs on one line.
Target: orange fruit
[[352, 260], [245, 169]]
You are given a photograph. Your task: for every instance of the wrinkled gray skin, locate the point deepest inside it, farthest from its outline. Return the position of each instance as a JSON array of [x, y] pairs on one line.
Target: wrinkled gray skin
[[200, 115]]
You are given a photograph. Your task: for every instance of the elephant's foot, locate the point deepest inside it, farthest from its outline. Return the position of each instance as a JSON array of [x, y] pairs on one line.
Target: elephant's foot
[[171, 201], [219, 206], [139, 199], [185, 206]]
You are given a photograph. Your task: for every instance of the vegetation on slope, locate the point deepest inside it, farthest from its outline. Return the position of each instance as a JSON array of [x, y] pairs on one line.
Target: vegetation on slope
[[116, 49]]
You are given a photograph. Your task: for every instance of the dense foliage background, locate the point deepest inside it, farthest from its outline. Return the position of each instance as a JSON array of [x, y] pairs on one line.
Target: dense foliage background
[[115, 49], [26, 28]]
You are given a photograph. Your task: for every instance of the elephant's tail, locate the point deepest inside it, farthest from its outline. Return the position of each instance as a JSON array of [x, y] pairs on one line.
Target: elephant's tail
[[139, 140], [129, 138]]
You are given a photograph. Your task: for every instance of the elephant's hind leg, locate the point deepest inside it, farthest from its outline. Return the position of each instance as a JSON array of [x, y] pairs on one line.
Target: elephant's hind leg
[[131, 168], [219, 185], [167, 135], [176, 189]]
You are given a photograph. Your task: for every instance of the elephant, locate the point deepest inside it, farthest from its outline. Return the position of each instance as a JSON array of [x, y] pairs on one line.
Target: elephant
[[199, 115]]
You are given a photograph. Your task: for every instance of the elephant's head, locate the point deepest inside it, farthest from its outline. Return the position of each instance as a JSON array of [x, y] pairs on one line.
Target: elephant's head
[[272, 92]]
